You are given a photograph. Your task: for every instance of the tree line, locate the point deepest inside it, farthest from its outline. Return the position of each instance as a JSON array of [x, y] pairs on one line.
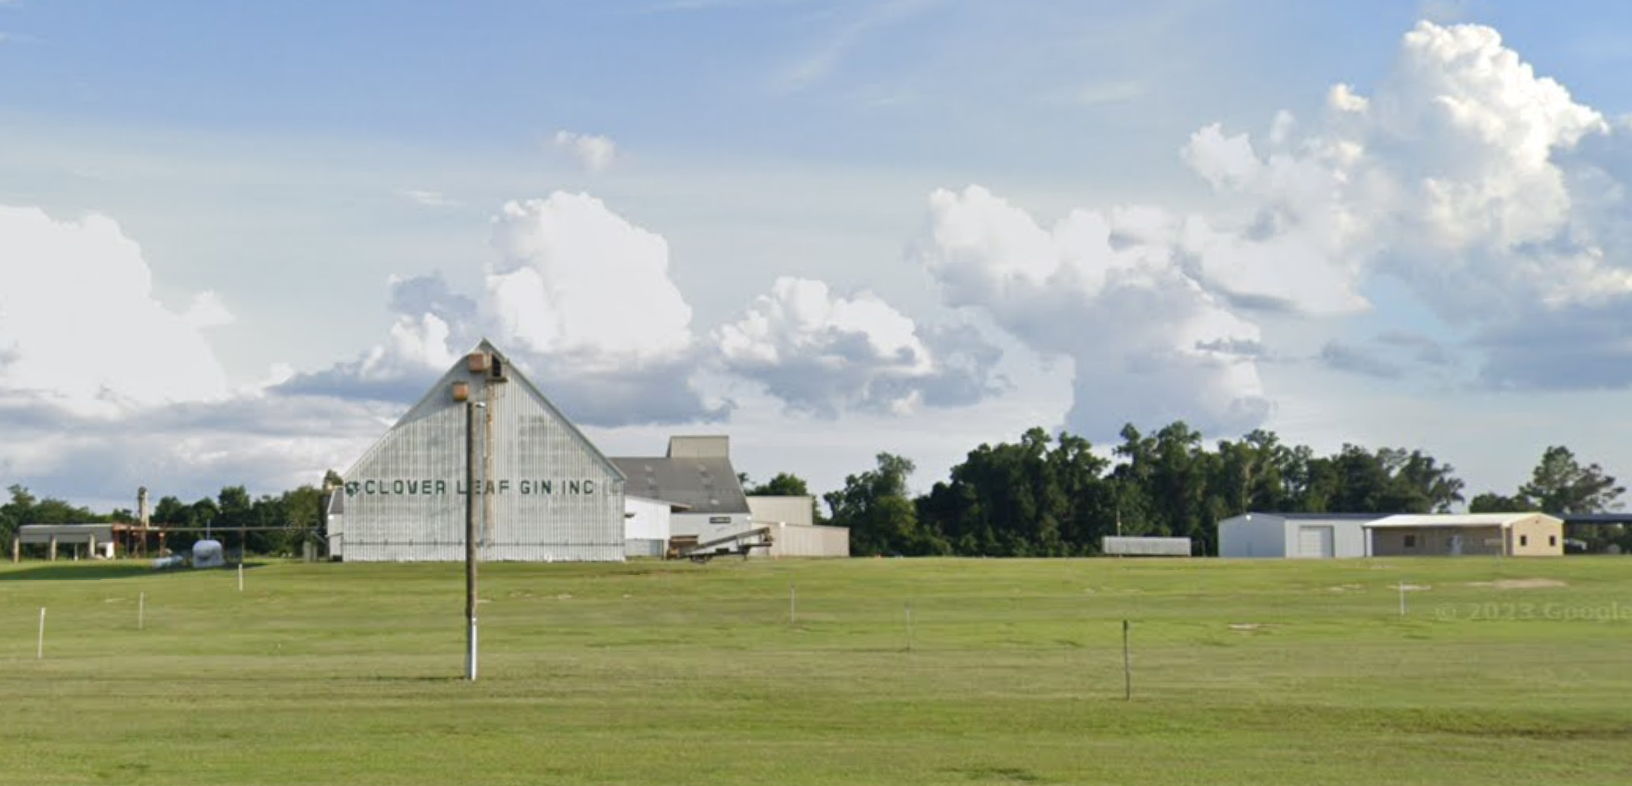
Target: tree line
[[1054, 496], [1044, 495], [296, 514]]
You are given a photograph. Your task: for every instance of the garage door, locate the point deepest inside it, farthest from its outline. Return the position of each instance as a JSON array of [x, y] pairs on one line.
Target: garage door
[[1315, 542]]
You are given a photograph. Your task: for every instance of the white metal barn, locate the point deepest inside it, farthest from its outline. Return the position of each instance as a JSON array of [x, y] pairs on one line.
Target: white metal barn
[[546, 493], [1297, 535]]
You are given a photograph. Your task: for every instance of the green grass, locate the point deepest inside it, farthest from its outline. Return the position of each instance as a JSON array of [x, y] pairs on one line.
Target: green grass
[[1264, 672]]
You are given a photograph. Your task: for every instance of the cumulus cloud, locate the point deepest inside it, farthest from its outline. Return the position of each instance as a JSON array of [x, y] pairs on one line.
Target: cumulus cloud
[[1496, 196], [103, 388], [80, 327], [593, 152], [1149, 342], [573, 287], [822, 353]]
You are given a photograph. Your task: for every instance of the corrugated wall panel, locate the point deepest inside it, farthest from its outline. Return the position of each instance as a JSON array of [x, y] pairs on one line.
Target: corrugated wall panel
[[404, 500]]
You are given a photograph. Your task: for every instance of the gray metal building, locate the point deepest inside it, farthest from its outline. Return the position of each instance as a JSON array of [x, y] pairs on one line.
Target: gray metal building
[[547, 494], [695, 474]]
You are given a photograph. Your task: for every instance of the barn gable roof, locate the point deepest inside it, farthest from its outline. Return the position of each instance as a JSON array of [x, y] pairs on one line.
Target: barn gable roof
[[435, 400]]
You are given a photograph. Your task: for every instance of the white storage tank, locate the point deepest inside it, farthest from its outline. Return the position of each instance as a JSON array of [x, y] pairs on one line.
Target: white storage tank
[[208, 554]]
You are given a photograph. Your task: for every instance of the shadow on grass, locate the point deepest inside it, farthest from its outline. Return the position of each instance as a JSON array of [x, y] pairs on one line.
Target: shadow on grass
[[96, 571], [76, 571]]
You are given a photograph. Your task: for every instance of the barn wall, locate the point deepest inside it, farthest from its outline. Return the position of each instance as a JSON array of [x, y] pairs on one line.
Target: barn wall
[[545, 493]]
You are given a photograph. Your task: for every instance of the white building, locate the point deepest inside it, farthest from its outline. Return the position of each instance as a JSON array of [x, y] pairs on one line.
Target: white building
[[647, 525], [1318, 535], [1298, 535], [545, 493]]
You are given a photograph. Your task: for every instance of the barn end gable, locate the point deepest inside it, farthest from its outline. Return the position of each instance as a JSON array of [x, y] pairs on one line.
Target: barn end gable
[[547, 493]]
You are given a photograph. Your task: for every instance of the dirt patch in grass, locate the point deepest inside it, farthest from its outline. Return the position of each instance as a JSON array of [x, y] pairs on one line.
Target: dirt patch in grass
[[1519, 583]]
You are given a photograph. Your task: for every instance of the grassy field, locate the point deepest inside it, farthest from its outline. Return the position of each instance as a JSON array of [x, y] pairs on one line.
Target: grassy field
[[1270, 672]]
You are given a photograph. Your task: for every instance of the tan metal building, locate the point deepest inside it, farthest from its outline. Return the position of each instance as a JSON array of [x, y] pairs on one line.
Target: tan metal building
[[1452, 534], [794, 531]]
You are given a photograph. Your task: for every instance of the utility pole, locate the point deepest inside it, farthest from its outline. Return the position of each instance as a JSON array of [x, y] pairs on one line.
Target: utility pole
[[470, 540]]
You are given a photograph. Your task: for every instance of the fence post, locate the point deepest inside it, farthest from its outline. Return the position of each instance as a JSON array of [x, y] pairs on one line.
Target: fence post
[[1127, 666]]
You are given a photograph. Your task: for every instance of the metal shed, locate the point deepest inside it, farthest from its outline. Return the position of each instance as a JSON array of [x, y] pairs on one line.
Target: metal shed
[[1295, 535]]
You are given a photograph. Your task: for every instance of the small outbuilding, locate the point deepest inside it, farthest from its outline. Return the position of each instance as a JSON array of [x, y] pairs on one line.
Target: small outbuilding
[[1453, 534], [647, 525], [1130, 546], [794, 531]]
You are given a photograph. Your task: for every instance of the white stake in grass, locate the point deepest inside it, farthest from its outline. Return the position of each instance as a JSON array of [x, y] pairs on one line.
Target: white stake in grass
[[240, 575], [909, 627], [793, 603], [1402, 598], [141, 611], [39, 650]]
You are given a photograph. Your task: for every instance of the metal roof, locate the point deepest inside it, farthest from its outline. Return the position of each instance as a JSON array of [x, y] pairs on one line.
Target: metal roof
[[1594, 518], [704, 485], [64, 533], [1454, 519], [1332, 516]]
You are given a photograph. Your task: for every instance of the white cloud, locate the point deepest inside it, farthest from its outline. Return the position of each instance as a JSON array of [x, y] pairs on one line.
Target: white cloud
[[821, 353], [1149, 342], [593, 152], [574, 278], [428, 198], [1489, 189], [80, 327], [103, 388], [574, 286]]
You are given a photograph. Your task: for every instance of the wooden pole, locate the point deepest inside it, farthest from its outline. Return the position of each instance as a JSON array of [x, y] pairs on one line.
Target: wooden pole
[[141, 611], [240, 574], [470, 541], [1127, 666], [39, 650]]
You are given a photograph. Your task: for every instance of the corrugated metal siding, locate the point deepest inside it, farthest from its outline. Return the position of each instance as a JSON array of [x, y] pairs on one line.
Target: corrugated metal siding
[[800, 540], [786, 510], [1144, 546], [531, 443]]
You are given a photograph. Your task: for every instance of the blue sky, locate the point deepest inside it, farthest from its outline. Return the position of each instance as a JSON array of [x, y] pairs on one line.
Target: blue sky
[[300, 162]]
